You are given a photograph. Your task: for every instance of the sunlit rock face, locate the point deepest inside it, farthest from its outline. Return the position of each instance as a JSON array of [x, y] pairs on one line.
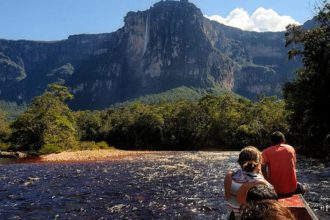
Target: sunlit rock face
[[252, 80], [170, 45], [180, 50]]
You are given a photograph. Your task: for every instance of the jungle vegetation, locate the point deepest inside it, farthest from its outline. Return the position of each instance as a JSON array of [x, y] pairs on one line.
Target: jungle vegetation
[[210, 123]]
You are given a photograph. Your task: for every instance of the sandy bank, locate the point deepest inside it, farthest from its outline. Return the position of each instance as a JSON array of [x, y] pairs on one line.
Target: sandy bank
[[90, 155]]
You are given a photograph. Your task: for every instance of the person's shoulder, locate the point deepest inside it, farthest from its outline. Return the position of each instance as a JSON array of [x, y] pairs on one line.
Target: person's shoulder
[[232, 172], [268, 149], [288, 147]]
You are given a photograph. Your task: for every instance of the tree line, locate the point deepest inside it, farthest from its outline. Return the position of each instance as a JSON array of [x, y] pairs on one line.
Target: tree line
[[224, 122]]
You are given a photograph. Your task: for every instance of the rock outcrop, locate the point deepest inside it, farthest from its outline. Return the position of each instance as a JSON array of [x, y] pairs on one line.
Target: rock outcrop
[[16, 155]]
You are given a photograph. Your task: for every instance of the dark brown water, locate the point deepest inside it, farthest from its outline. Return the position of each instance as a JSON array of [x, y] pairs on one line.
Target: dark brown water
[[166, 185]]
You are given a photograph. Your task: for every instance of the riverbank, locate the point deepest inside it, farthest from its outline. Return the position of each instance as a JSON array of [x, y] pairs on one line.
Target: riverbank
[[90, 155]]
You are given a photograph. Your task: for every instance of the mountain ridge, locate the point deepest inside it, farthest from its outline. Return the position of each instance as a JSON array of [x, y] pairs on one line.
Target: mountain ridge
[[167, 46]]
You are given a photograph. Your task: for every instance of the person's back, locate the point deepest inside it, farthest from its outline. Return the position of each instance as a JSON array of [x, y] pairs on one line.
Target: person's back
[[280, 160], [239, 181]]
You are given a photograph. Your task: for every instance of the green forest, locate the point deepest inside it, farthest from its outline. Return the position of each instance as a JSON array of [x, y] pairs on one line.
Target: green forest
[[212, 122]]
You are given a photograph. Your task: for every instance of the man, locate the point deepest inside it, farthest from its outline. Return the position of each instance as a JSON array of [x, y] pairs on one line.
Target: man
[[279, 162]]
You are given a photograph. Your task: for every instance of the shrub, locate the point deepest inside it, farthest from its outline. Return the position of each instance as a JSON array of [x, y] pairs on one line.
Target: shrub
[[103, 145], [49, 149]]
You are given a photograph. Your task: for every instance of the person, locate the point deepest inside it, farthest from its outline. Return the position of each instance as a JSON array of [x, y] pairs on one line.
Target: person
[[261, 192], [239, 181], [279, 166], [266, 210]]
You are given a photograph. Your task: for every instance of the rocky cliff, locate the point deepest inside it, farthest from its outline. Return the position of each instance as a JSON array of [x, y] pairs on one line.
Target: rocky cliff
[[168, 46]]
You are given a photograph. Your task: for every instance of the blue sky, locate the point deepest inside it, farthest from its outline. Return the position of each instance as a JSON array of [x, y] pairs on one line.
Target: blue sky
[[57, 19]]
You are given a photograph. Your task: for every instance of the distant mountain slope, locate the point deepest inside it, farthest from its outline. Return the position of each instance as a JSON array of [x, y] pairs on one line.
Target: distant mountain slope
[[168, 46], [176, 94]]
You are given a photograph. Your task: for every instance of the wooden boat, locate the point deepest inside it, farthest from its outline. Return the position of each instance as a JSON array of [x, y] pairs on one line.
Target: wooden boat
[[299, 207]]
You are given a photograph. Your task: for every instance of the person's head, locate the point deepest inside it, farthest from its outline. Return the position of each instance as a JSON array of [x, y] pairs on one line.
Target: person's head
[[249, 159], [266, 210], [277, 138], [261, 192]]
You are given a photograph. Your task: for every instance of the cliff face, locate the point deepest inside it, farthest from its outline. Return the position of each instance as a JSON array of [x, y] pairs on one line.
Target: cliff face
[[26, 67], [262, 57], [168, 46]]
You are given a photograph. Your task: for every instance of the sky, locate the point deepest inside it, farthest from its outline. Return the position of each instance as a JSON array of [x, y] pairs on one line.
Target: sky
[[57, 19]]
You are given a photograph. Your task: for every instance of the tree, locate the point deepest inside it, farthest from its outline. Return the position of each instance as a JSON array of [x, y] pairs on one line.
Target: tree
[[89, 125], [308, 96], [268, 115], [4, 131], [227, 118], [148, 128], [185, 126], [47, 125]]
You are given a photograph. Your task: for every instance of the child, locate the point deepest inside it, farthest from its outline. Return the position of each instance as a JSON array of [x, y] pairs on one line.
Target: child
[[238, 182]]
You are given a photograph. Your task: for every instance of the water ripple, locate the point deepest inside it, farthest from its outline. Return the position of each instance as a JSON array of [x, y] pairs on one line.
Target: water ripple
[[167, 185]]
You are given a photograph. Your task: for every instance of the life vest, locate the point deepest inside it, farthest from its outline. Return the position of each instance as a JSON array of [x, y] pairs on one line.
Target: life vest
[[239, 189], [232, 202]]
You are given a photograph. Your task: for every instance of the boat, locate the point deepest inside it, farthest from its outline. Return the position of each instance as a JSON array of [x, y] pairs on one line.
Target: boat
[[299, 207]]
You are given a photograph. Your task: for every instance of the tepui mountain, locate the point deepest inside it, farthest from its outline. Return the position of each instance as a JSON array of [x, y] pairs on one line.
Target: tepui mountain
[[165, 47]]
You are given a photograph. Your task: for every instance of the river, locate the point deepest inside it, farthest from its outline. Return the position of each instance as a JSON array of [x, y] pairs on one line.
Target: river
[[163, 185]]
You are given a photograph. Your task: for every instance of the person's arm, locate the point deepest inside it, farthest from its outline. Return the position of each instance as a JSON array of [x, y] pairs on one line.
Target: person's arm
[[264, 166], [243, 190], [294, 158], [264, 170], [227, 184]]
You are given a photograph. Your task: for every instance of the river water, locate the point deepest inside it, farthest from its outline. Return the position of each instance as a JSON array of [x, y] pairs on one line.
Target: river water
[[163, 185]]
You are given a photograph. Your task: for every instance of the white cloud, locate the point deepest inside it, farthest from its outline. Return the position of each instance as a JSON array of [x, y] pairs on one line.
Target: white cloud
[[261, 20]]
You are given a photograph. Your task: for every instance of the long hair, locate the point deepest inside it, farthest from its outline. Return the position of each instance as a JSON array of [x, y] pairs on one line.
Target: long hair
[[266, 210], [261, 192]]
